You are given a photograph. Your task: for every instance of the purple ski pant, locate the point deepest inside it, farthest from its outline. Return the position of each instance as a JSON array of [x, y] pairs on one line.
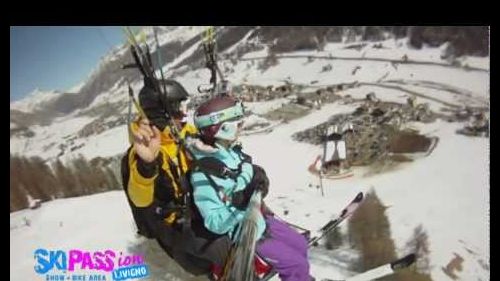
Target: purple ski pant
[[285, 250]]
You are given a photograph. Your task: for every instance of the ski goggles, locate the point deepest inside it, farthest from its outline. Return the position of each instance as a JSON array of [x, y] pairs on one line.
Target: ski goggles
[[229, 130], [233, 113]]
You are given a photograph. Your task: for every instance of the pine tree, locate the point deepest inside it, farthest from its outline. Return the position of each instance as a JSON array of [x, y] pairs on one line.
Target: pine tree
[[45, 178], [18, 198], [112, 181], [66, 179], [89, 179], [333, 239], [31, 178], [419, 245], [369, 232]]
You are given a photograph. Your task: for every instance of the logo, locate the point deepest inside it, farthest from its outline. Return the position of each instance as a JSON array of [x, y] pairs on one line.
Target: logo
[[98, 265]]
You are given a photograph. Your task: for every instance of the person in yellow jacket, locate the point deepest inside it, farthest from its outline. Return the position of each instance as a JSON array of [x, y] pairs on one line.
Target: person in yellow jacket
[[153, 175]]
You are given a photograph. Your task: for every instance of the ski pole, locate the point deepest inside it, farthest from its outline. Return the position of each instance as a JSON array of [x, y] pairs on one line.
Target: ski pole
[[307, 231], [344, 214], [321, 182]]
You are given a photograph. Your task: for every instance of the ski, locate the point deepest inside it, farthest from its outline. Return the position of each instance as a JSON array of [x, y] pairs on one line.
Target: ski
[[346, 212], [381, 271], [329, 226]]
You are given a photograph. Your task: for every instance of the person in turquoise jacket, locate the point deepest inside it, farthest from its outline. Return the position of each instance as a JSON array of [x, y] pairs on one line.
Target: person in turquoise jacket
[[222, 195]]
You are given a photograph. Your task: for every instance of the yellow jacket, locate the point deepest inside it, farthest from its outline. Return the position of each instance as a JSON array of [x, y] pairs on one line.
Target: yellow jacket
[[141, 189]]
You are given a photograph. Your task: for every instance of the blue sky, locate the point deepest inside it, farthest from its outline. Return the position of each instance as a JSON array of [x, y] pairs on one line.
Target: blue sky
[[56, 58]]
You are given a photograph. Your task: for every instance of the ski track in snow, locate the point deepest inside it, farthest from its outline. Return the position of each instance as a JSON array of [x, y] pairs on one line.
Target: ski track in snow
[[447, 192]]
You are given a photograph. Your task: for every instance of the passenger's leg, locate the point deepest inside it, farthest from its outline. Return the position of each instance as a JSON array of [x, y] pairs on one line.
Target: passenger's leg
[[279, 230], [286, 250], [290, 265]]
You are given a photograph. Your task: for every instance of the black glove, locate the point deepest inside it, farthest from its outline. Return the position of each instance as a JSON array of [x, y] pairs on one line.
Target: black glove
[[240, 200], [259, 182]]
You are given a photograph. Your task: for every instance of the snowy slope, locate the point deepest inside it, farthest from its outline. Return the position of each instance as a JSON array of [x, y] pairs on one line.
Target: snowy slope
[[418, 193], [76, 223], [446, 192]]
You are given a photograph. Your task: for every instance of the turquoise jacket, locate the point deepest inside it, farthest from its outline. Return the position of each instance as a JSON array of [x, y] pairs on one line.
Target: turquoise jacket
[[221, 217]]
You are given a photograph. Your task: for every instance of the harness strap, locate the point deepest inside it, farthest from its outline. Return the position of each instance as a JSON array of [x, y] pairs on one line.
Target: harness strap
[[211, 166]]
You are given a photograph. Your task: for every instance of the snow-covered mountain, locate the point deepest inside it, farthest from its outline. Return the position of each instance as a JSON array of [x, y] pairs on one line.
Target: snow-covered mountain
[[106, 110], [34, 101], [447, 192]]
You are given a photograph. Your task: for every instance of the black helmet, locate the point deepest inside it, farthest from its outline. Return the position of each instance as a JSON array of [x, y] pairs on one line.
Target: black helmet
[[159, 106], [174, 92]]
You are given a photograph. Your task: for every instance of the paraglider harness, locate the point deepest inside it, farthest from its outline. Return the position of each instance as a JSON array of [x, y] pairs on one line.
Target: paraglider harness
[[143, 62], [209, 166]]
